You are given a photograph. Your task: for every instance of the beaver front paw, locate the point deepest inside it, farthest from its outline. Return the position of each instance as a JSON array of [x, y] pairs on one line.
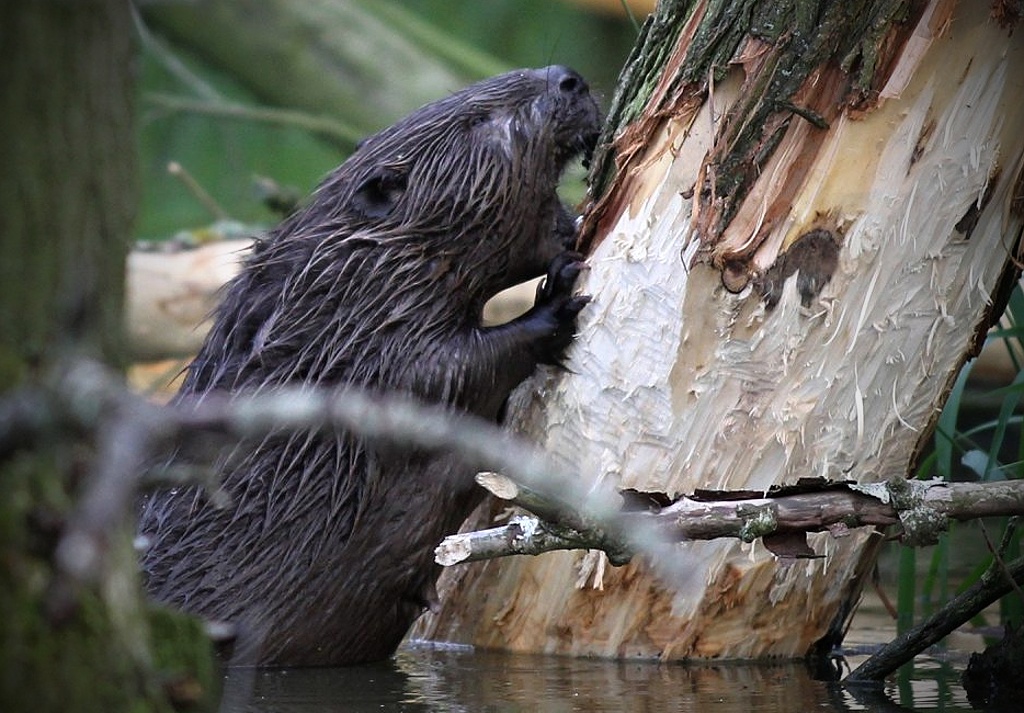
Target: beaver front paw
[[556, 308]]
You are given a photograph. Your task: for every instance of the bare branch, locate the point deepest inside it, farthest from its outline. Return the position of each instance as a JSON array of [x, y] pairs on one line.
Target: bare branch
[[523, 535], [996, 582], [132, 430], [399, 419], [835, 509], [326, 127]]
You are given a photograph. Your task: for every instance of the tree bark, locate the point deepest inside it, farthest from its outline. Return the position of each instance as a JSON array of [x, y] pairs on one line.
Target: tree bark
[[74, 636], [807, 214]]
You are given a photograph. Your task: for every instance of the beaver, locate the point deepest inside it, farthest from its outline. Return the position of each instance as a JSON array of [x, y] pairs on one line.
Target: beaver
[[324, 553]]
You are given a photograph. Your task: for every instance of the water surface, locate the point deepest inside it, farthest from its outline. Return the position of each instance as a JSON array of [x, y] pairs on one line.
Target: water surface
[[427, 679]]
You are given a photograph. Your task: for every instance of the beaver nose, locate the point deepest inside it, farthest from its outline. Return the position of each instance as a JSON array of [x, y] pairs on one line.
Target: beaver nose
[[566, 81]]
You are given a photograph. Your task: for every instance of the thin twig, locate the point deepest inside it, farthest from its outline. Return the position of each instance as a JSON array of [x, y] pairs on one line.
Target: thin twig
[[132, 429], [195, 188], [342, 135], [997, 553], [479, 443], [171, 62]]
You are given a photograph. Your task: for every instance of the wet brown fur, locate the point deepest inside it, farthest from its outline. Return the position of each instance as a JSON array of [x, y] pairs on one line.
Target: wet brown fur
[[324, 554]]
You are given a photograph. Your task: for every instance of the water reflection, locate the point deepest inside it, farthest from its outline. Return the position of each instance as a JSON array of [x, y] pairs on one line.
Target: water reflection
[[424, 679], [377, 687], [499, 683]]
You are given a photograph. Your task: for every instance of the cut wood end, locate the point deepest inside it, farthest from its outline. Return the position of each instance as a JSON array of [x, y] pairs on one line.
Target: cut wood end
[[498, 485], [452, 550]]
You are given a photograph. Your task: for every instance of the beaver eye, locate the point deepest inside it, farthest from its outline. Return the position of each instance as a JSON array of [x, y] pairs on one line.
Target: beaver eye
[[378, 195], [477, 119]]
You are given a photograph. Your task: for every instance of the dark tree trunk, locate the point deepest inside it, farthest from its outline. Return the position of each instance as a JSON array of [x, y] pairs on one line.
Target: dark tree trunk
[[74, 636]]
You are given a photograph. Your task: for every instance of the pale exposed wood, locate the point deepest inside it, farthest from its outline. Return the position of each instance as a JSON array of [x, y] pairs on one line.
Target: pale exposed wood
[[170, 296], [677, 384]]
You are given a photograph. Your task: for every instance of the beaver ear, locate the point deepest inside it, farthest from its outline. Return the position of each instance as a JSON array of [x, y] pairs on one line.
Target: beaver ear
[[377, 196]]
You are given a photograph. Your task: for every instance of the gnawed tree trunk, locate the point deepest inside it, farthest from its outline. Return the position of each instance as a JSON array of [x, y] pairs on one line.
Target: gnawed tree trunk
[[814, 210]]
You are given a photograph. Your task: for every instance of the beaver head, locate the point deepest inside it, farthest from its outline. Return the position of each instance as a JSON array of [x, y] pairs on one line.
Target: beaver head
[[476, 171]]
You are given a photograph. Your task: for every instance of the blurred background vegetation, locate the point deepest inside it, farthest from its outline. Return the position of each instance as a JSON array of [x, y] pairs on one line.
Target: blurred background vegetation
[[232, 90], [236, 90]]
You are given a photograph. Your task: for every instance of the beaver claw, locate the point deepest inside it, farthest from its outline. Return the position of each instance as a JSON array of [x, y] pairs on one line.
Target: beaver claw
[[561, 277], [557, 307]]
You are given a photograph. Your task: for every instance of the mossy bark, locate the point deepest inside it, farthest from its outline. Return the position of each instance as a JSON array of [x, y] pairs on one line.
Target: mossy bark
[[67, 201], [789, 50]]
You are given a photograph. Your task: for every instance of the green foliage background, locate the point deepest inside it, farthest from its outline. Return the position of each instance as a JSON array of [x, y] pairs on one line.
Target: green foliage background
[[223, 155]]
